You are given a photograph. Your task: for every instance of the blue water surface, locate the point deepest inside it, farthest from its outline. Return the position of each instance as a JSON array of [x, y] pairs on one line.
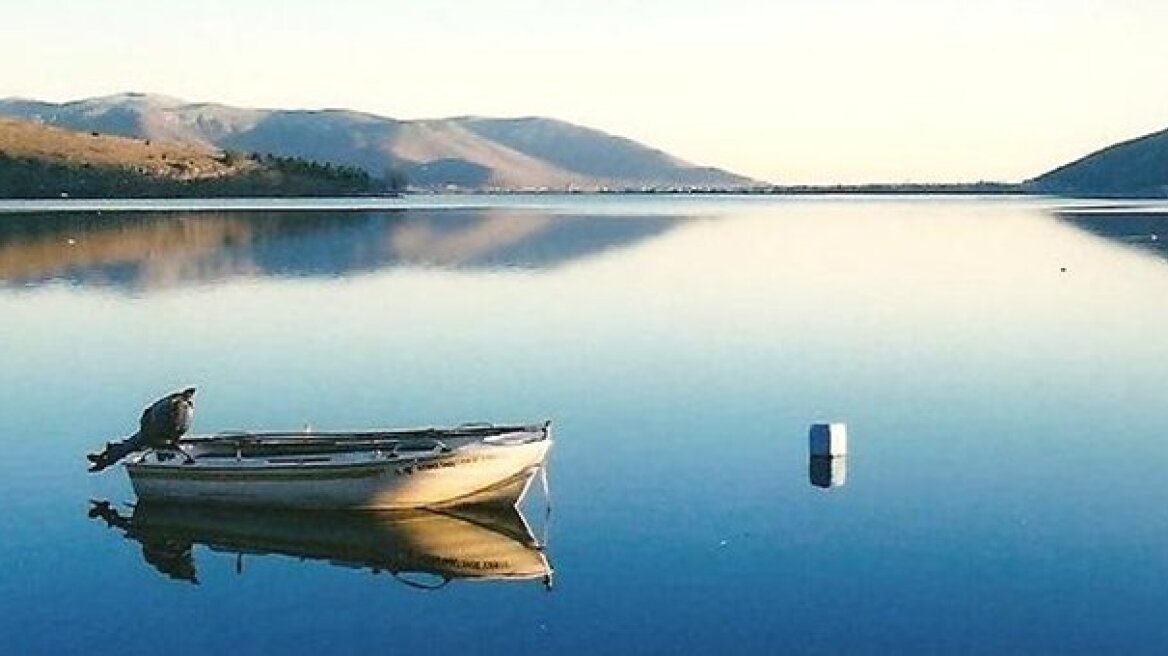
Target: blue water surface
[[999, 364]]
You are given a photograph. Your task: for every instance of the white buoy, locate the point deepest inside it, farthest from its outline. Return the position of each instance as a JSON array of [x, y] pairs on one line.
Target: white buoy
[[828, 440]]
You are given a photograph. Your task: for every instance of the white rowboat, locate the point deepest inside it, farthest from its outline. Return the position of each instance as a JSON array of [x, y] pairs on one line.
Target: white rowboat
[[382, 470]]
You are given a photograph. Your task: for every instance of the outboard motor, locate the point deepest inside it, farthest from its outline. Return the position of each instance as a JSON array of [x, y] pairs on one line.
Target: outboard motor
[[162, 425]]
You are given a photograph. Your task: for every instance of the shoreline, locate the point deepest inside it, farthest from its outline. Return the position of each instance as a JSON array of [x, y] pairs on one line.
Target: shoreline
[[504, 200]]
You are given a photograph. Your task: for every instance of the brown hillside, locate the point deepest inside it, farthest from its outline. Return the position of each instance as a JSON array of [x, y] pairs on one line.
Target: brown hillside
[[179, 161]]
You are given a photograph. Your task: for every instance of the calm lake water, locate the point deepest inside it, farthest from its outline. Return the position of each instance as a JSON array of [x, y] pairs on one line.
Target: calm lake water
[[999, 363]]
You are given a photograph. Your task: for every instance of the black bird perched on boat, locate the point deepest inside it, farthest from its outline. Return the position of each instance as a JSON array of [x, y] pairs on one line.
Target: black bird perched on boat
[[162, 425]]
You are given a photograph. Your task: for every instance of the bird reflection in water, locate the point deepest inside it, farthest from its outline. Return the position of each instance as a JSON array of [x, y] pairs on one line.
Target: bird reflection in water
[[421, 548]]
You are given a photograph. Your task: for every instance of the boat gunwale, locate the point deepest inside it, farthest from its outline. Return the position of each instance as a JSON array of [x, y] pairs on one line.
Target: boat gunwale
[[468, 431], [261, 467]]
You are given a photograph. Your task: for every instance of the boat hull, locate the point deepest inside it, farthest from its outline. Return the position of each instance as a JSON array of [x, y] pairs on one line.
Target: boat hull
[[481, 473]]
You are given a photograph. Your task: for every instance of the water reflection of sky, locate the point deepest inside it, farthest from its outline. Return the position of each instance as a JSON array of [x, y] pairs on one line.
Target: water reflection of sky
[[1005, 419]]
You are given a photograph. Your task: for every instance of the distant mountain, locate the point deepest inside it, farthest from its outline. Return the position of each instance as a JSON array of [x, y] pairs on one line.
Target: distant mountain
[[464, 152], [1132, 169], [39, 161]]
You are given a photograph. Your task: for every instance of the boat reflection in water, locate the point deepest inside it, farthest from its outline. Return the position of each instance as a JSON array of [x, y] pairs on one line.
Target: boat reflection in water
[[422, 548]]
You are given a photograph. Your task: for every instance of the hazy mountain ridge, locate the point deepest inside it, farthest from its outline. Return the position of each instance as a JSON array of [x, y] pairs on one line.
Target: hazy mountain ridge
[[1137, 168], [467, 152]]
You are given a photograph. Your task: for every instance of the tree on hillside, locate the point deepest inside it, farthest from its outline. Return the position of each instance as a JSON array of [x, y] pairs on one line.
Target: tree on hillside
[[396, 180]]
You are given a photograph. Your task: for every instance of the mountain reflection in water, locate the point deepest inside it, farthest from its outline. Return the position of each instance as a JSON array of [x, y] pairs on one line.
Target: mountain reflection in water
[[422, 548], [1147, 230], [156, 250]]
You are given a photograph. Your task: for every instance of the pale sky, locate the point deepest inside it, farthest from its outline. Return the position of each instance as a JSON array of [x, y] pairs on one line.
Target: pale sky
[[790, 91]]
